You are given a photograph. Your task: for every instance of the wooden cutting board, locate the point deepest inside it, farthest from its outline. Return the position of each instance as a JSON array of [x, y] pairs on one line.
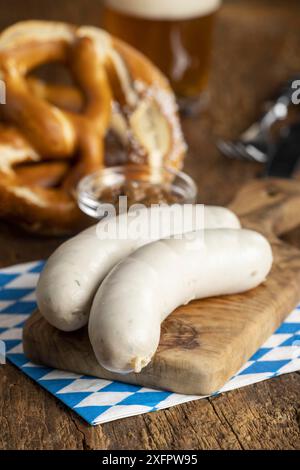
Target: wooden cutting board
[[206, 342]]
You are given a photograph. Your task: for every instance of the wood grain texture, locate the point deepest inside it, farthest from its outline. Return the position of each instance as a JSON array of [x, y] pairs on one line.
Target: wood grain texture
[[257, 46], [206, 342]]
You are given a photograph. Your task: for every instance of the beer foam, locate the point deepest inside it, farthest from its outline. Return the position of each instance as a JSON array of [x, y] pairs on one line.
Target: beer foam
[[165, 9]]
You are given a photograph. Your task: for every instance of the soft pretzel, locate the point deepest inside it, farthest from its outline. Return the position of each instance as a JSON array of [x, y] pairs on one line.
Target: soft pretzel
[[66, 97], [148, 102], [51, 135]]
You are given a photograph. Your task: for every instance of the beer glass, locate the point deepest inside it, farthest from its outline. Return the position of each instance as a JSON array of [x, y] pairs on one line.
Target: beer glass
[[175, 34]]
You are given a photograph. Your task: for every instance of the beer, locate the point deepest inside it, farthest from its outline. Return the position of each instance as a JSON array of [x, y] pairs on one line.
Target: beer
[[175, 34]]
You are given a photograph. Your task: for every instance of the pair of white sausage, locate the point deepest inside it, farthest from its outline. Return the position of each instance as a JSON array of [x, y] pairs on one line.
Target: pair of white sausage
[[73, 273], [146, 280]]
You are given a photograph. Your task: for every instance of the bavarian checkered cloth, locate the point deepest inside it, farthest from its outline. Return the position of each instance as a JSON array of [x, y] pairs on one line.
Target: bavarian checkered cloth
[[99, 401]]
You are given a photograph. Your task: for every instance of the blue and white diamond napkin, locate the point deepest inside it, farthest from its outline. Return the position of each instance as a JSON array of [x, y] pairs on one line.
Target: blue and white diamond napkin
[[98, 400]]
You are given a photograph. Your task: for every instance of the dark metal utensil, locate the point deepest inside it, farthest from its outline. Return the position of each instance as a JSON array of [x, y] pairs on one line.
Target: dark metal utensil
[[253, 144], [285, 153]]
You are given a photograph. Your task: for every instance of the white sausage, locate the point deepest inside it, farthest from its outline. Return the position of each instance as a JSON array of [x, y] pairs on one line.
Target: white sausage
[[142, 290], [74, 271]]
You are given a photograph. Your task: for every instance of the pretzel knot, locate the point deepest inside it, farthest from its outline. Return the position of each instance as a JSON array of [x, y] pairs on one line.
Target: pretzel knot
[[51, 136]]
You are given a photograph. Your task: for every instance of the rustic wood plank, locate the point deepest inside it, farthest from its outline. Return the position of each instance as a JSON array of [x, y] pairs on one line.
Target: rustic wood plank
[[264, 415], [28, 418]]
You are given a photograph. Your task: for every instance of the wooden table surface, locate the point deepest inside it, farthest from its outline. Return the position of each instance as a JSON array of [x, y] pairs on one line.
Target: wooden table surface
[[257, 46]]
